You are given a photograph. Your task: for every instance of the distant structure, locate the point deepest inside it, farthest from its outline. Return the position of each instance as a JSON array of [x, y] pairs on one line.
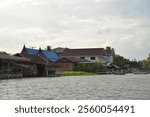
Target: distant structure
[[59, 50], [99, 55]]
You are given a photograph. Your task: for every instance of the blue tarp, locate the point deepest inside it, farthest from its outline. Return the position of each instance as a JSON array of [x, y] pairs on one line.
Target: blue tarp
[[32, 51], [49, 55]]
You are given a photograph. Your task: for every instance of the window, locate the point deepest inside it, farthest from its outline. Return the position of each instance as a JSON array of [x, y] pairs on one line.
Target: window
[[92, 58], [82, 57]]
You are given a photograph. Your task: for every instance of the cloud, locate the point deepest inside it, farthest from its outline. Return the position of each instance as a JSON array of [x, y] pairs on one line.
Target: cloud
[[122, 24]]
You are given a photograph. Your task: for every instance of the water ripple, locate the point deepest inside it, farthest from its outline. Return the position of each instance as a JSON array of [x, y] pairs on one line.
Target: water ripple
[[77, 88]]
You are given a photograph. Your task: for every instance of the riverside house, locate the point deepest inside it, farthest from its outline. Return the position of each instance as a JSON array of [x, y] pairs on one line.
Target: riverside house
[[13, 67], [45, 61], [70, 64], [97, 55]]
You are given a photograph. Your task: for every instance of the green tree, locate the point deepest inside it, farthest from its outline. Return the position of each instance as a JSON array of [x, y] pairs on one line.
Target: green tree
[[110, 51], [96, 67], [146, 63], [49, 48], [17, 55], [80, 67], [120, 61]]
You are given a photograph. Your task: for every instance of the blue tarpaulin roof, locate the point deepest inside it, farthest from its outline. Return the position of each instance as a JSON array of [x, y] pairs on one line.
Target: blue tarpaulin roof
[[49, 55], [32, 51]]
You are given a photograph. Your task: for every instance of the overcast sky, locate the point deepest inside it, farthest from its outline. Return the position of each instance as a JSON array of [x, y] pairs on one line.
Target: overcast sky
[[121, 24]]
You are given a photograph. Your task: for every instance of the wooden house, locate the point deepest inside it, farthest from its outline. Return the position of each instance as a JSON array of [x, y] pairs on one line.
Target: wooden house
[[44, 60], [12, 67], [70, 64]]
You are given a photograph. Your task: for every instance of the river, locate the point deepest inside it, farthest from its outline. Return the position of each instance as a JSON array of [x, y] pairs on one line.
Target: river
[[99, 87]]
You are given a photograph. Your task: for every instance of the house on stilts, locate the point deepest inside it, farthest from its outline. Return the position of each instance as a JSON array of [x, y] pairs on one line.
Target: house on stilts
[[15, 67], [43, 59]]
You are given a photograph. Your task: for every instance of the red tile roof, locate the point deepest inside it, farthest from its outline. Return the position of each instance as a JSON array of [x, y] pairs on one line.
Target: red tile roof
[[83, 52]]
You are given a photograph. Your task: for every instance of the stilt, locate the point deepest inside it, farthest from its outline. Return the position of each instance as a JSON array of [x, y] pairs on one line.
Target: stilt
[[8, 69]]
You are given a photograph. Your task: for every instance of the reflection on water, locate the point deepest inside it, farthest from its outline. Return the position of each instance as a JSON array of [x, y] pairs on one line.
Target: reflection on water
[[77, 87]]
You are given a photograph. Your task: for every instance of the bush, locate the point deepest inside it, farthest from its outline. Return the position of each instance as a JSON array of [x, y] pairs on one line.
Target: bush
[[75, 73], [97, 67]]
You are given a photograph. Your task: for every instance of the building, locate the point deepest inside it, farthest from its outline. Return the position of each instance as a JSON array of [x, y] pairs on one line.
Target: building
[[44, 60], [110, 53], [59, 50], [99, 55], [70, 64], [133, 66], [13, 67]]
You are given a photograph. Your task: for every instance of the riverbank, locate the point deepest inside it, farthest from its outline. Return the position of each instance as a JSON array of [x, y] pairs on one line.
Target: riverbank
[[76, 73]]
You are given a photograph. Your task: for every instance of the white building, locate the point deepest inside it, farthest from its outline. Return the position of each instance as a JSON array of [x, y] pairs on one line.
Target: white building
[[99, 55]]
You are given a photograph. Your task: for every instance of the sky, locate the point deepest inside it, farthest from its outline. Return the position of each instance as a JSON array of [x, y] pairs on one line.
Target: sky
[[122, 24]]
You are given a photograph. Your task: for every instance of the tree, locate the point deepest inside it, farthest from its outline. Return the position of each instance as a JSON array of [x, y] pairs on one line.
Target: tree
[[49, 48], [80, 67], [146, 63], [17, 55], [110, 51], [96, 67], [120, 61], [3, 52]]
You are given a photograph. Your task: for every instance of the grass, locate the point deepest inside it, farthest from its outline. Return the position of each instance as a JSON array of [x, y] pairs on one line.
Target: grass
[[76, 73]]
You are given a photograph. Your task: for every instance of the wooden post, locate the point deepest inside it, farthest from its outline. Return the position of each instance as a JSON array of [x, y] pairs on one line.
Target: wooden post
[[8, 69], [2, 67], [46, 71], [22, 69]]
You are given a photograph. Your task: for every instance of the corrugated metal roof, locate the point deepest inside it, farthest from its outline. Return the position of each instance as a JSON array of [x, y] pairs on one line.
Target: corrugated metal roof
[[76, 60], [50, 55], [83, 52]]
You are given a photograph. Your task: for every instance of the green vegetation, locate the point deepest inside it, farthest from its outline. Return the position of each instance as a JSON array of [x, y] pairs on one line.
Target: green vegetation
[[120, 61], [75, 73], [92, 68], [146, 63], [49, 48]]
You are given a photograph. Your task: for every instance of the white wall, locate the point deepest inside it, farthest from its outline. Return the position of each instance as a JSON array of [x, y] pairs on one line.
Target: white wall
[[99, 59], [107, 59]]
